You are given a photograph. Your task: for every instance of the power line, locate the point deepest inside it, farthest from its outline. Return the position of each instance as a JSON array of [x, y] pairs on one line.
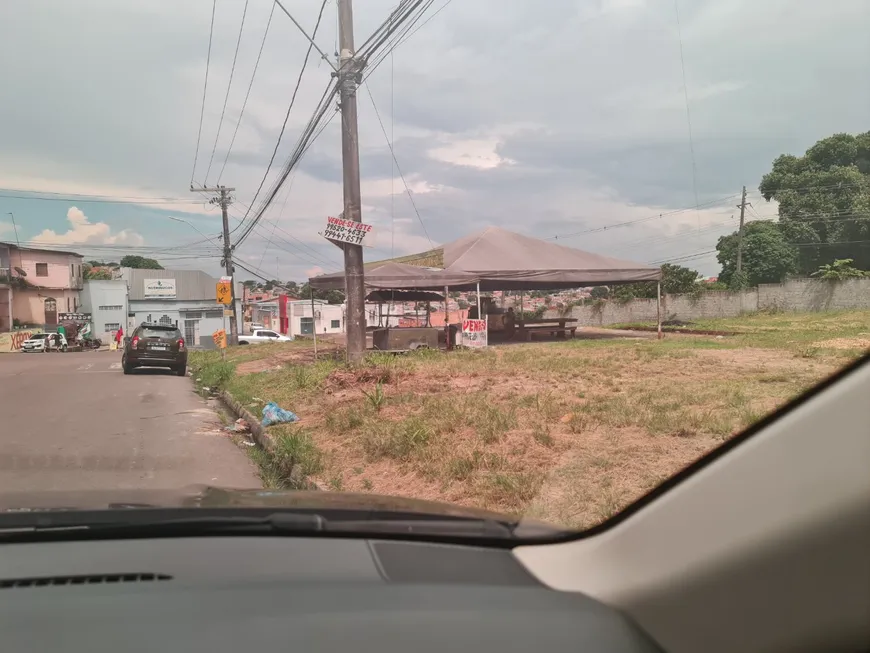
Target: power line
[[227, 96], [14, 193], [688, 113], [396, 161], [204, 90], [247, 94], [290, 107]]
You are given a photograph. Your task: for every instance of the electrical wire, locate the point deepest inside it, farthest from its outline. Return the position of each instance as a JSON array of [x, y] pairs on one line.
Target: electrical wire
[[247, 94], [229, 86], [401, 174], [688, 112], [289, 108], [204, 91]]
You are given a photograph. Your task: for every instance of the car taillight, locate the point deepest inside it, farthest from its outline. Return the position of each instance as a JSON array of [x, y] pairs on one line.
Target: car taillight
[[181, 343], [135, 342]]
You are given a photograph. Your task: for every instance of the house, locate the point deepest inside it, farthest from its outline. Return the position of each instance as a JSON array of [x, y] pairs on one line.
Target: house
[[326, 318], [107, 302], [39, 284], [184, 298]]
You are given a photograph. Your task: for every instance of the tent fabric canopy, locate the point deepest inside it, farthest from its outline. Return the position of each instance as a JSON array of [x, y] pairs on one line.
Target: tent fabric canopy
[[391, 295], [499, 259]]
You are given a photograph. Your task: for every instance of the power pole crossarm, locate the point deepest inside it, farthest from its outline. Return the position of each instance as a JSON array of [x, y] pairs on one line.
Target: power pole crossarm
[[349, 74], [224, 200]]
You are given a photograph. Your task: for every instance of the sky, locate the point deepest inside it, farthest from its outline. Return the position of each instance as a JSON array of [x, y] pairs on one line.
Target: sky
[[553, 119]]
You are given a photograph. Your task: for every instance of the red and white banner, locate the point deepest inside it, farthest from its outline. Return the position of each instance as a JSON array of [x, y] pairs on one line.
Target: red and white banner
[[474, 333]]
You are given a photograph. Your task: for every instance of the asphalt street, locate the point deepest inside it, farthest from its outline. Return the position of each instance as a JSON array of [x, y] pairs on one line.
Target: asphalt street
[[74, 421]]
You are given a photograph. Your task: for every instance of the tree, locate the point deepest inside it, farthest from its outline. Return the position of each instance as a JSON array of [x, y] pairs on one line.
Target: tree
[[824, 198], [329, 296], [838, 270], [676, 280], [101, 274], [140, 262], [768, 257], [600, 292]]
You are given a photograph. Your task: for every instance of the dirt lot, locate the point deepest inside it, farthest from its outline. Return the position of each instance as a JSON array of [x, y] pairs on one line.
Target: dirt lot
[[566, 431]]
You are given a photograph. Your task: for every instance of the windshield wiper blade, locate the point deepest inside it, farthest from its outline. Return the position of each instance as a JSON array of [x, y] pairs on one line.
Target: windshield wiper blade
[[276, 523]]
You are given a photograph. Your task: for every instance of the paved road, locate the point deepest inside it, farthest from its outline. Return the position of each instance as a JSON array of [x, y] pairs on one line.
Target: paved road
[[75, 422]]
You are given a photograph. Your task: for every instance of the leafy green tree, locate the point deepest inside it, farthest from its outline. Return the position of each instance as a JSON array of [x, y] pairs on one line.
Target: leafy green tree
[[824, 198], [839, 270], [140, 262], [600, 292], [100, 274], [329, 296], [676, 280], [768, 257]]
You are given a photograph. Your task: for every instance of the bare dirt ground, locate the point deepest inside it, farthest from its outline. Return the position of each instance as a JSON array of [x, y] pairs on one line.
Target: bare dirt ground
[[567, 431]]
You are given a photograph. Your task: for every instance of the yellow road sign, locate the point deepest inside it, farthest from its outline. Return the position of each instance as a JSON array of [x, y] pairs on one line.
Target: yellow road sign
[[224, 292], [220, 339]]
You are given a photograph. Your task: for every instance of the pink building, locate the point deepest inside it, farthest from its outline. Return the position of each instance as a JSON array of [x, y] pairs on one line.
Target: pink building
[[37, 284]]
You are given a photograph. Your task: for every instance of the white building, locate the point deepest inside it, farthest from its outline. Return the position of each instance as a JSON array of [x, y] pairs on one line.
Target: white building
[[326, 318], [107, 303], [185, 298]]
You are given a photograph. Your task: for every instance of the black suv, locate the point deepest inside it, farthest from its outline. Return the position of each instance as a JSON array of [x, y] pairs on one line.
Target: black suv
[[155, 345]]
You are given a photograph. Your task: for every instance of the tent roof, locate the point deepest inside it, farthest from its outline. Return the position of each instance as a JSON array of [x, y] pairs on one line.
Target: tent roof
[[499, 259]]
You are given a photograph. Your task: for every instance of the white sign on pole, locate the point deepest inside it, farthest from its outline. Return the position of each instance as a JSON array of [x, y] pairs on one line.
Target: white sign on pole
[[474, 333], [159, 288], [348, 231]]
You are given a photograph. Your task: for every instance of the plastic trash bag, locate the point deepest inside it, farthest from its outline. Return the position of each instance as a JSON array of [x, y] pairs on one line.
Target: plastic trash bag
[[274, 414]]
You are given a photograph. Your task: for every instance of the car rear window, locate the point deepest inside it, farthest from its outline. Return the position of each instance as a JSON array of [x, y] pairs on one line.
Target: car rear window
[[159, 332]]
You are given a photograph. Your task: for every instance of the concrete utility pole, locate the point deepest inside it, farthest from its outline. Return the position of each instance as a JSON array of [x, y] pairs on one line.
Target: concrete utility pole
[[224, 200], [349, 77], [742, 207]]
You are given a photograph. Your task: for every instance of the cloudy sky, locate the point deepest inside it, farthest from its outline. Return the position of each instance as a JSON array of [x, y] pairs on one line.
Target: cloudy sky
[[552, 118]]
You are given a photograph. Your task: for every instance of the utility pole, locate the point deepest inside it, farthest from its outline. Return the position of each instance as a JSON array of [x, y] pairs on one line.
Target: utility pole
[[224, 200], [742, 207], [349, 77]]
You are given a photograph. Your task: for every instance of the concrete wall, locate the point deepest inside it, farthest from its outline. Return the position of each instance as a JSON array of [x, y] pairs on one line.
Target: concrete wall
[[798, 295], [28, 306], [197, 320]]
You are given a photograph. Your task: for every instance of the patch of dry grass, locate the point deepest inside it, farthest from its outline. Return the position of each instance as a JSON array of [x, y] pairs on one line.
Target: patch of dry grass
[[568, 431]]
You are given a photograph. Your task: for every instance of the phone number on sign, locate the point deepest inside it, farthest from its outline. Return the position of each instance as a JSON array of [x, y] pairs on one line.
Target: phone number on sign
[[352, 236]]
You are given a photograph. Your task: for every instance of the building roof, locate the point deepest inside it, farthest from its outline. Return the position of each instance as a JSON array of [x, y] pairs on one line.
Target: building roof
[[41, 249], [190, 285]]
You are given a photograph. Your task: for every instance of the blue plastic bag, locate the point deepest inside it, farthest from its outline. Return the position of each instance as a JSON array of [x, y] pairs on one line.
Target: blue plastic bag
[[274, 414]]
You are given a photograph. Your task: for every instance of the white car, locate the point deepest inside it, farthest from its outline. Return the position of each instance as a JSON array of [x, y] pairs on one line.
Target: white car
[[43, 342], [263, 335]]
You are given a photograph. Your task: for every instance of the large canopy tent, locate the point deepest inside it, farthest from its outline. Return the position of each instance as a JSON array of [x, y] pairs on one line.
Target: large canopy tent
[[496, 259]]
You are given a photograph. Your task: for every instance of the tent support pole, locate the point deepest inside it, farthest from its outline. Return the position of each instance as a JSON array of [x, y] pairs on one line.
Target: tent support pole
[[659, 309], [479, 315], [313, 325], [447, 316]]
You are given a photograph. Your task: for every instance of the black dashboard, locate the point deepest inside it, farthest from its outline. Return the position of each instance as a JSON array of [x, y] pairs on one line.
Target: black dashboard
[[245, 594]]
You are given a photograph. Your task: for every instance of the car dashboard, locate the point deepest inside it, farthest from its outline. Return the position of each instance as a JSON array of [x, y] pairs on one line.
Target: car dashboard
[[240, 594]]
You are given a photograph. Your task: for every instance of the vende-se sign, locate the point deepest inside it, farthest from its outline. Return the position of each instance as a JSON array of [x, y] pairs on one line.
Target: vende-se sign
[[348, 231], [474, 333]]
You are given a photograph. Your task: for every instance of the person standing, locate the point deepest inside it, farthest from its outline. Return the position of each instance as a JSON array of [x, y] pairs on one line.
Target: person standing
[[119, 334]]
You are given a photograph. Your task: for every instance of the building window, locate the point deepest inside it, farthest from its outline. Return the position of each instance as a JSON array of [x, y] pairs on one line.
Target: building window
[[75, 304], [68, 306], [112, 326], [214, 314], [335, 324], [42, 269], [111, 308], [165, 319]]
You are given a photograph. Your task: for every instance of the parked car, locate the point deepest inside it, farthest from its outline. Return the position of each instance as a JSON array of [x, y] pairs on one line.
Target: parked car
[[155, 345], [44, 342], [263, 335]]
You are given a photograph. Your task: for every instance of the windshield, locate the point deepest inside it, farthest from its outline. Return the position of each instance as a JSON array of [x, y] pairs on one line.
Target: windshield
[[159, 332], [525, 258]]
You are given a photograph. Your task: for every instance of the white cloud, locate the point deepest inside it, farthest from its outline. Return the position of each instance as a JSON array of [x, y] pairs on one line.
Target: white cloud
[[474, 153], [84, 232]]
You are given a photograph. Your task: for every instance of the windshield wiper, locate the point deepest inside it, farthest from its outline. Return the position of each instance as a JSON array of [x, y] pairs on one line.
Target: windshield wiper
[[276, 523]]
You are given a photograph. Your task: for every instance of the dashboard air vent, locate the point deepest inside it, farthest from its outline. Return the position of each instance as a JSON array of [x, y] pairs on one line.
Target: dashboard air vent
[[88, 579]]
